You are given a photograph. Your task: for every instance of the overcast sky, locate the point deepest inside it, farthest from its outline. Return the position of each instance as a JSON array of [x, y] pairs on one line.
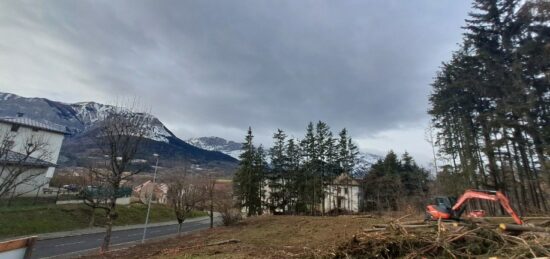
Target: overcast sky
[[208, 67]]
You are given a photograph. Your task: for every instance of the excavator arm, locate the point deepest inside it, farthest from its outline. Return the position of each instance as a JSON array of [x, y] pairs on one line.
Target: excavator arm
[[490, 196]]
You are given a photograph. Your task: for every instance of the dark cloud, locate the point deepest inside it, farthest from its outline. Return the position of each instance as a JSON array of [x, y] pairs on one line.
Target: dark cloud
[[215, 67]]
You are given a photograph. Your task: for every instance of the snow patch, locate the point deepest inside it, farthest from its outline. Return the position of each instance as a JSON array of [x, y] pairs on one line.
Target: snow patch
[[230, 148]]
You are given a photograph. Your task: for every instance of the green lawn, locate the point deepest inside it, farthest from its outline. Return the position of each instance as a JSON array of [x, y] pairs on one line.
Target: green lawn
[[26, 220]]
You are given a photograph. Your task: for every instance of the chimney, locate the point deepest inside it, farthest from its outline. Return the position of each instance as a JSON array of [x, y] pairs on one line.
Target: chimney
[[20, 114]]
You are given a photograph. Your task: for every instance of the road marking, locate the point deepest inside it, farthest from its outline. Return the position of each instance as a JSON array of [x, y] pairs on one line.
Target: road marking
[[138, 234], [68, 244]]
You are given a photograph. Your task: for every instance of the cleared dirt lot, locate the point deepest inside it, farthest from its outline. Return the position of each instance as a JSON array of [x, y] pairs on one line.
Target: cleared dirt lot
[[259, 237]]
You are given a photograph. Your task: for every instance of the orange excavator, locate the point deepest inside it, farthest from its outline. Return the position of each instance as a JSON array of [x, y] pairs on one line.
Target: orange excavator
[[448, 208]]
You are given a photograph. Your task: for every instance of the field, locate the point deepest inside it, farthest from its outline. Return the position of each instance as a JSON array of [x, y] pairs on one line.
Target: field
[[23, 219], [258, 237], [346, 237]]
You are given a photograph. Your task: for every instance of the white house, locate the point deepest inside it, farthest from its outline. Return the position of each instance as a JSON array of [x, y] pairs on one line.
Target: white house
[[18, 134], [343, 194]]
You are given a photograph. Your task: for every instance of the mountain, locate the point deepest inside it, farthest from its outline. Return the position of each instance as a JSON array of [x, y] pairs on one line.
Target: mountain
[[80, 118], [227, 147]]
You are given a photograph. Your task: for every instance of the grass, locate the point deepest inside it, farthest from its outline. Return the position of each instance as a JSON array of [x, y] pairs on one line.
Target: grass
[[260, 237], [21, 220]]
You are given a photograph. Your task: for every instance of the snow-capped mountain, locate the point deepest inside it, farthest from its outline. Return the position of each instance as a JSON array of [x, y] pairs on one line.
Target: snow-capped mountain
[[227, 147], [76, 117], [80, 119], [91, 112]]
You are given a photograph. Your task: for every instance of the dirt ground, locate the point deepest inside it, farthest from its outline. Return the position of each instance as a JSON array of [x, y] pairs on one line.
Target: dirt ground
[[259, 237]]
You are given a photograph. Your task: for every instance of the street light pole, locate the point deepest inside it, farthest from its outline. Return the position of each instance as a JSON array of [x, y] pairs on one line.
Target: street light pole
[[149, 200]]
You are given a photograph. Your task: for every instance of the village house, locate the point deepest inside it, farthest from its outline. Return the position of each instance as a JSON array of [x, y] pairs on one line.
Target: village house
[[141, 192], [343, 194], [20, 133]]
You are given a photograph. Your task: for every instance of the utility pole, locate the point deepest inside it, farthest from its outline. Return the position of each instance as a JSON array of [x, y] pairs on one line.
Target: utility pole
[[149, 200]]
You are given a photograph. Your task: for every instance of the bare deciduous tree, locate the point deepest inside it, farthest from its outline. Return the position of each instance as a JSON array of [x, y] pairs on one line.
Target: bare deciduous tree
[[119, 138], [94, 193], [210, 191], [185, 194], [224, 203], [18, 163]]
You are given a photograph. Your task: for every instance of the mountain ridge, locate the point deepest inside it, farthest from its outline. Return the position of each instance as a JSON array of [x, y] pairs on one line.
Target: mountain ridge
[[80, 118]]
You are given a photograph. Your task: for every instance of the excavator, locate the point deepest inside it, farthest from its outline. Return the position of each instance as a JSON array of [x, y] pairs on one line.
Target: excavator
[[448, 208]]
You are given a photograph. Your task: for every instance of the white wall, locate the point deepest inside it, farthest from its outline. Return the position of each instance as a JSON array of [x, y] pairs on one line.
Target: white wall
[[349, 201], [53, 140], [49, 154], [35, 184]]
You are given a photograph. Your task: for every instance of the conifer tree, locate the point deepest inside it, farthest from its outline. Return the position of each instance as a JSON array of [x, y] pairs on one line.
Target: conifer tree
[[247, 179], [490, 102], [295, 176], [279, 179]]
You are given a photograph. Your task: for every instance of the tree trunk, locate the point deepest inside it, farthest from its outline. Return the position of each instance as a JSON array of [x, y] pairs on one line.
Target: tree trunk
[[520, 196], [92, 218], [107, 237], [521, 143], [490, 154], [211, 210]]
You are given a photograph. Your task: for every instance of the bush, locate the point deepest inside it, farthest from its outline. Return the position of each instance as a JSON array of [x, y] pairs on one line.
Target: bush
[[230, 216]]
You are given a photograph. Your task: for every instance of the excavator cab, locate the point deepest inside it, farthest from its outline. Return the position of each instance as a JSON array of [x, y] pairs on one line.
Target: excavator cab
[[441, 207]]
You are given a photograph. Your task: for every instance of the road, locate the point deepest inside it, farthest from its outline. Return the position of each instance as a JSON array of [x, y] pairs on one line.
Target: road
[[74, 244]]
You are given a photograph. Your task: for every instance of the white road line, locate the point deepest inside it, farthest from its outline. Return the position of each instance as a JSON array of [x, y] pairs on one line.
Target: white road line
[[138, 234], [68, 244]]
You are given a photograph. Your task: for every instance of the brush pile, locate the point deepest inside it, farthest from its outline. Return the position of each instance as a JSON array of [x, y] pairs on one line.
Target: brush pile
[[445, 240]]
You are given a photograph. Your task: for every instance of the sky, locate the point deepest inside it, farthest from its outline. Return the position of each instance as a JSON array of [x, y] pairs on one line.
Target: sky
[[216, 67]]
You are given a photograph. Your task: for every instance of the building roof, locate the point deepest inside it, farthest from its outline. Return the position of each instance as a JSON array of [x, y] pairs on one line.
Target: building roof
[[23, 121], [16, 158], [158, 186], [345, 179]]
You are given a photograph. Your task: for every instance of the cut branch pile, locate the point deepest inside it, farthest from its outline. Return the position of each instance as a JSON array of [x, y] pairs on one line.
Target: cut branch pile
[[445, 240]]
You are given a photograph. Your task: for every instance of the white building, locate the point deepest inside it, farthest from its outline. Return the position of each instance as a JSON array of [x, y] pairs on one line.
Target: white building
[[343, 194], [18, 135]]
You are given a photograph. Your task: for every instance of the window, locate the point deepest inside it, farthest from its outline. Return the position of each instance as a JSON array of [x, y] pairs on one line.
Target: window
[[346, 190], [15, 127]]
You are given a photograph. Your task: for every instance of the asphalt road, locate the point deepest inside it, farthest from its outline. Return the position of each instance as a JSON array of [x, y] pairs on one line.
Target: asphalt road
[[74, 244]]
